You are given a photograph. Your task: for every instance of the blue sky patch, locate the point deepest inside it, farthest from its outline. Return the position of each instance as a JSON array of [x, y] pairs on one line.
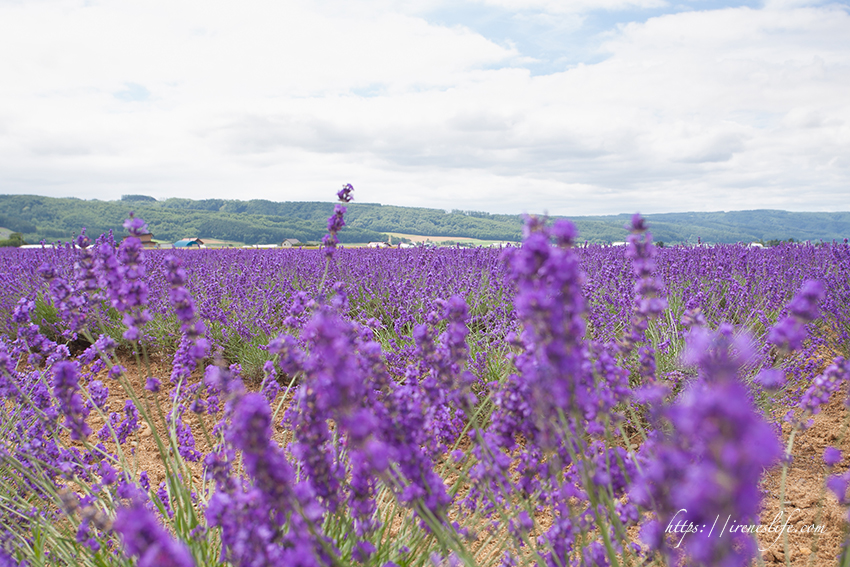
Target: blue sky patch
[[133, 93]]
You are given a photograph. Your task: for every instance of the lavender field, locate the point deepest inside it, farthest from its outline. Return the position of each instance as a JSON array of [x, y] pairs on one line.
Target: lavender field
[[552, 404]]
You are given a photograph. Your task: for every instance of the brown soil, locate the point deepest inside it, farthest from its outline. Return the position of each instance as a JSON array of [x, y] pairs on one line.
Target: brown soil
[[808, 503], [141, 449]]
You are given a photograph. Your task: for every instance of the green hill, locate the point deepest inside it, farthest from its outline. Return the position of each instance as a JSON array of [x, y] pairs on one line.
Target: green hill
[[266, 222]]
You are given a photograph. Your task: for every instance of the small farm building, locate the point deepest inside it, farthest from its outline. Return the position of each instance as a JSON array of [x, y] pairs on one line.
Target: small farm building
[[189, 243], [147, 240]]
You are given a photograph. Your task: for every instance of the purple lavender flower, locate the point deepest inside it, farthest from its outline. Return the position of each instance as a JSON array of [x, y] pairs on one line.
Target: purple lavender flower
[[719, 355], [7, 560], [555, 369], [822, 387], [66, 386], [270, 387], [709, 461], [250, 432], [805, 305], [290, 356], [198, 406], [770, 379], [164, 498], [143, 537], [97, 353], [650, 301], [84, 273], [144, 481], [831, 456], [124, 275], [135, 226], [99, 395], [838, 485], [217, 466], [72, 304], [129, 424], [790, 332], [251, 517], [107, 474], [344, 194], [337, 221], [193, 345], [185, 441]]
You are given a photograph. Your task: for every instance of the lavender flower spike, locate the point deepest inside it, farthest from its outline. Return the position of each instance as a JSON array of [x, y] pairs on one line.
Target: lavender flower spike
[[131, 297], [193, 345], [66, 386], [344, 194], [146, 539], [822, 387], [337, 220], [790, 332], [709, 461]]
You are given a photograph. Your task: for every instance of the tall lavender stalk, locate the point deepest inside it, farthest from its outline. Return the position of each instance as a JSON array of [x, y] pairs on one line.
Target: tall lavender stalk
[[703, 465]]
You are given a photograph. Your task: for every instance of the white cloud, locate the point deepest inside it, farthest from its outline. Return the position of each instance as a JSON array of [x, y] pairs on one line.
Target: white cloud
[[286, 101]]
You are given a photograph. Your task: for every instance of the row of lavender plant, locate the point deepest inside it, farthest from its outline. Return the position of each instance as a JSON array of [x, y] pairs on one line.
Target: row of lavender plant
[[371, 442], [245, 297]]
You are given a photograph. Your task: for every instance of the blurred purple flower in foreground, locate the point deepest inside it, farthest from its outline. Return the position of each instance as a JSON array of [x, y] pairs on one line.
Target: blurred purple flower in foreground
[[707, 466], [146, 539], [790, 332]]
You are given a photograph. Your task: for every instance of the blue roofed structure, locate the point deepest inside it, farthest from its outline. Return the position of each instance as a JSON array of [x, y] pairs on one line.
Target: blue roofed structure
[[189, 243]]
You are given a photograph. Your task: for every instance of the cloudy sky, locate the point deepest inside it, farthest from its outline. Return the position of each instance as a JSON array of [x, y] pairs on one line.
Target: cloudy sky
[[566, 106]]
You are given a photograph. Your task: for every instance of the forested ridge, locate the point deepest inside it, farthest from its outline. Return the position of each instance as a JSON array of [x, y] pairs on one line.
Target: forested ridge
[[260, 221]]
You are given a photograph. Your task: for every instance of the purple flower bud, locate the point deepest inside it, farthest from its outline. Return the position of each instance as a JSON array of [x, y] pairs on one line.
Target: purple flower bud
[[838, 485], [135, 226], [198, 406], [107, 473], [144, 481], [66, 390], [770, 379], [146, 539], [336, 222], [22, 310], [344, 194], [129, 424], [831, 456], [790, 332], [823, 386], [363, 550], [250, 430], [721, 353], [564, 232], [99, 394], [638, 224], [805, 305]]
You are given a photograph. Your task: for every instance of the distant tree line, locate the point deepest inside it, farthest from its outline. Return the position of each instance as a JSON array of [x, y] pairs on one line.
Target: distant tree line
[[260, 221], [144, 198]]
